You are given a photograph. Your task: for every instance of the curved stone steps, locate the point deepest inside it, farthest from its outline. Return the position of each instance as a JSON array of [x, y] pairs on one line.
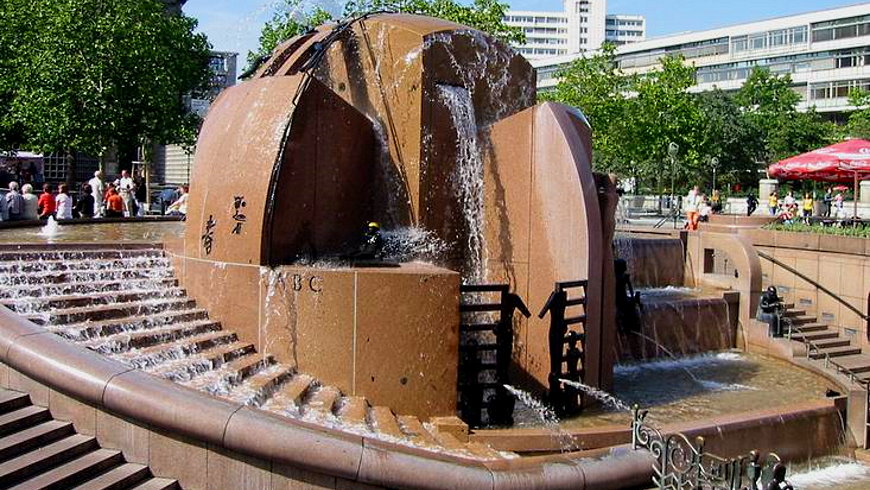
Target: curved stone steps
[[143, 319], [126, 341], [150, 357], [72, 254], [31, 291], [89, 329], [94, 299], [59, 265], [42, 453]]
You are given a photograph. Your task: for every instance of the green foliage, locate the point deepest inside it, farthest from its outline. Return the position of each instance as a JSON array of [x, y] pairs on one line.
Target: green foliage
[[799, 227], [85, 75], [636, 117], [858, 125], [292, 19]]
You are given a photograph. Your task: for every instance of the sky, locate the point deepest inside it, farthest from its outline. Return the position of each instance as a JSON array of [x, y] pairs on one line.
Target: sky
[[234, 25]]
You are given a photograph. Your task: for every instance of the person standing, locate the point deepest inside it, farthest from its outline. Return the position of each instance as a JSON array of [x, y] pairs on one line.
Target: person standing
[[64, 203], [127, 187], [828, 201], [86, 205], [772, 203], [807, 207], [716, 202], [98, 189], [751, 204], [692, 209], [31, 206], [14, 203], [114, 204], [46, 203]]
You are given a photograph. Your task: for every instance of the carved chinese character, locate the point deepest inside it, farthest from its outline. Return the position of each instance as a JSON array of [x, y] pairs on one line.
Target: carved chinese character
[[239, 204], [208, 236]]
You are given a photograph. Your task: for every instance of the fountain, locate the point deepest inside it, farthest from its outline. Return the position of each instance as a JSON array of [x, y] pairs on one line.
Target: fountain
[[253, 345]]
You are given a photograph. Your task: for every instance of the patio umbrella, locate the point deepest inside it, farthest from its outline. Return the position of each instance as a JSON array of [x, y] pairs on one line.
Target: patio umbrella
[[836, 163], [848, 161]]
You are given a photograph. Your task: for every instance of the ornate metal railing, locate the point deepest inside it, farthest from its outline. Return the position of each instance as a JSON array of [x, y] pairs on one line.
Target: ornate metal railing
[[682, 464]]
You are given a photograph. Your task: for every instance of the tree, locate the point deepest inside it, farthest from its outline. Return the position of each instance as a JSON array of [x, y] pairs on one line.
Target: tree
[[91, 74], [858, 125], [291, 19], [595, 85], [725, 135]]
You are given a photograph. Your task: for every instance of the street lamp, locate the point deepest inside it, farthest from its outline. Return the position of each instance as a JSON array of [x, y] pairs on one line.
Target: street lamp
[[714, 162], [673, 149]]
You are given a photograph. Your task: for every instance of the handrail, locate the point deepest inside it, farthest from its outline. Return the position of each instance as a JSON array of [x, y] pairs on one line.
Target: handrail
[[817, 285], [813, 348]]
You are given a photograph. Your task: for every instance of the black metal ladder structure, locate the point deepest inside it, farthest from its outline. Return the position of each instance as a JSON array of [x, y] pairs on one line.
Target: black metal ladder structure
[[485, 349], [567, 340]]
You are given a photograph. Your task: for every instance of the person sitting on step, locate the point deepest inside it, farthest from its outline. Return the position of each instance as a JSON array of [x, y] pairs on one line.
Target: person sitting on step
[[770, 311]]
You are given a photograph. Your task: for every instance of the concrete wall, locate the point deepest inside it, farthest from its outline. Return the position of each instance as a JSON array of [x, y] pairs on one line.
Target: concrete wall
[[839, 264]]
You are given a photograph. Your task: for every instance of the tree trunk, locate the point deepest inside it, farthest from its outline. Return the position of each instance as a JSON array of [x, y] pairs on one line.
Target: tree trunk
[[70, 169]]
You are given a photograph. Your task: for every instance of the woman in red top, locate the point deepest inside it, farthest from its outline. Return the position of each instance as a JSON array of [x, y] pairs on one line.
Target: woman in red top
[[114, 204], [46, 203]]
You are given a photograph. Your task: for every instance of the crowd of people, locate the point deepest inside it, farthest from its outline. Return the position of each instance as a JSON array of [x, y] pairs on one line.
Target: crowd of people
[[123, 197], [789, 208]]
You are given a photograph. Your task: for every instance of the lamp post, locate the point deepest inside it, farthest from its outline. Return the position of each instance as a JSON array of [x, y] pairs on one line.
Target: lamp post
[[673, 149], [714, 163]]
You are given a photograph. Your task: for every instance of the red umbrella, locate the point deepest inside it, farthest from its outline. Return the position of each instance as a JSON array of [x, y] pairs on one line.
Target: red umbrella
[[843, 162]]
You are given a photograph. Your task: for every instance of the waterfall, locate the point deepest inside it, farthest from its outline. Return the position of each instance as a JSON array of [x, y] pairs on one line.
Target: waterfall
[[468, 177]]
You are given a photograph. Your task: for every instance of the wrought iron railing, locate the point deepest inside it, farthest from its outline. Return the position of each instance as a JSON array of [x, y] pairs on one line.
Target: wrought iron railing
[[682, 464]]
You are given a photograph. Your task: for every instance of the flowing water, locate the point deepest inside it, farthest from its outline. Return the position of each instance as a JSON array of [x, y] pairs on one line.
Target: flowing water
[[830, 473], [605, 398], [468, 179]]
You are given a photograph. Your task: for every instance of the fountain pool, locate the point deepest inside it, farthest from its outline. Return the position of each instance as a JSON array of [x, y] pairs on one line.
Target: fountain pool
[[151, 231], [730, 382]]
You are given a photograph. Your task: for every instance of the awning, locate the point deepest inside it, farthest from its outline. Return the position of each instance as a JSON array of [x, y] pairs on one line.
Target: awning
[[836, 163]]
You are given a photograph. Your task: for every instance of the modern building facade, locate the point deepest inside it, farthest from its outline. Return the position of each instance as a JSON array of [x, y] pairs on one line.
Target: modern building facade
[[827, 53], [582, 25]]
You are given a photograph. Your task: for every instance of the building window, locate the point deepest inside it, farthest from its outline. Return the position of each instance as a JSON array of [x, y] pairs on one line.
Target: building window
[[841, 29]]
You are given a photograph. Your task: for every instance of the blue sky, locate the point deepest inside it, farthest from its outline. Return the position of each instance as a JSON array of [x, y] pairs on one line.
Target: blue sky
[[234, 25]]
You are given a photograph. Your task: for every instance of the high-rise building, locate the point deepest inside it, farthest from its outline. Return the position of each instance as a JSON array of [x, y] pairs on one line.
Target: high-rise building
[[625, 29], [582, 25], [827, 53]]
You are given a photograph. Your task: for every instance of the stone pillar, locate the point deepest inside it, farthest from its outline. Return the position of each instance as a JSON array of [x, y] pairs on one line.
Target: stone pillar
[[765, 187], [864, 191]]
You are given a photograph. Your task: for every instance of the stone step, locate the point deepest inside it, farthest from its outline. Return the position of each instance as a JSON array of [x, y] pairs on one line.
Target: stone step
[[414, 430], [91, 329], [858, 363], [813, 327], [321, 401], [82, 254], [149, 357], [22, 418], [29, 267], [49, 278], [352, 410], [74, 472], [35, 291], [816, 335], [835, 352], [221, 381], [118, 478], [114, 311], [289, 396], [12, 400], [157, 484], [794, 313], [39, 460], [383, 421], [187, 367], [259, 387], [28, 439], [102, 298], [157, 336], [831, 343], [802, 319]]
